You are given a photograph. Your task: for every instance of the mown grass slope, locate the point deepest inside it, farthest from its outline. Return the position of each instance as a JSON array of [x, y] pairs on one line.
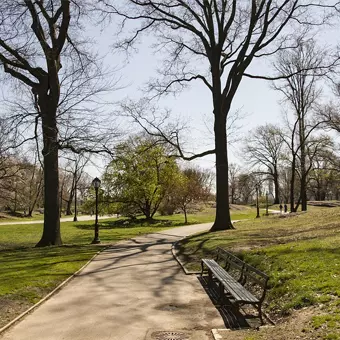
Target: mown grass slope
[[300, 253]]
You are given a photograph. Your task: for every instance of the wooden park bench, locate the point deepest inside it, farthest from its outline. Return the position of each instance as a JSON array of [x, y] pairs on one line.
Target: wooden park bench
[[237, 280]]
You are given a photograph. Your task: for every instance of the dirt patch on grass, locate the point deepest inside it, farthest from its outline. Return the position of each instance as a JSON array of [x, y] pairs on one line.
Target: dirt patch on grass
[[296, 326], [10, 309]]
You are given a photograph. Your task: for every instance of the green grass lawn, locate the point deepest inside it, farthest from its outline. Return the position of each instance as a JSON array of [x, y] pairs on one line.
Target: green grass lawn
[[27, 273], [300, 253]]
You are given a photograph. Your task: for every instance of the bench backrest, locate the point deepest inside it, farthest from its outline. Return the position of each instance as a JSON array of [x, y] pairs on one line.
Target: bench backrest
[[247, 275], [231, 263], [255, 280]]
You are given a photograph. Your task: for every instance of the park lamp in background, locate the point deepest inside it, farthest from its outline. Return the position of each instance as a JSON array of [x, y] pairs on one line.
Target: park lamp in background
[[96, 184]]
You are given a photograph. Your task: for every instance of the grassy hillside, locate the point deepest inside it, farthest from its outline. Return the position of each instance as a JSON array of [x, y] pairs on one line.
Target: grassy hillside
[[300, 253]]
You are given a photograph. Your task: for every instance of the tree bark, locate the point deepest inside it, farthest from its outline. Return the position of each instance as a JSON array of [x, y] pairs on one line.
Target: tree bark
[[292, 185], [222, 218], [303, 186], [303, 193], [51, 233], [147, 211], [185, 215], [70, 200], [276, 188]]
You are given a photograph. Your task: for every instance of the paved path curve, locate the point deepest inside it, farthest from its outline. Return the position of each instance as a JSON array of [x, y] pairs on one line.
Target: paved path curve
[[125, 292]]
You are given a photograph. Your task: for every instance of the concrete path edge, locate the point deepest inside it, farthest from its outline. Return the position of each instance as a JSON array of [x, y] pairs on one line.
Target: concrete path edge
[[174, 253], [54, 291], [214, 332]]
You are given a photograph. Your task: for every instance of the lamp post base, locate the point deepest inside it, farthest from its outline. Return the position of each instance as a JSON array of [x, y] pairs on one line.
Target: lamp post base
[[95, 241], [75, 219]]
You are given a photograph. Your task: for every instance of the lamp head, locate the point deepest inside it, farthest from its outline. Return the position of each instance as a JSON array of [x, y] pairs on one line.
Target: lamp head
[[96, 183]]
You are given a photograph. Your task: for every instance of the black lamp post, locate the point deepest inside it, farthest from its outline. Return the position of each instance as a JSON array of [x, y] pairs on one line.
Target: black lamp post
[[96, 184], [267, 203], [257, 202]]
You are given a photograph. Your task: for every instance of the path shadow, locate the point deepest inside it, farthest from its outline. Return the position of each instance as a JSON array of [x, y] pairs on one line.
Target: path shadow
[[232, 317]]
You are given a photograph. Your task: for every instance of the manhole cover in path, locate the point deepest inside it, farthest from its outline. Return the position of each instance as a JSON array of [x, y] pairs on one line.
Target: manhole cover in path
[[170, 335]]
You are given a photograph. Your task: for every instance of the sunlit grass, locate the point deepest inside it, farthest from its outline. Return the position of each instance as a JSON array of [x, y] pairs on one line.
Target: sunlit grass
[[27, 273], [300, 253]]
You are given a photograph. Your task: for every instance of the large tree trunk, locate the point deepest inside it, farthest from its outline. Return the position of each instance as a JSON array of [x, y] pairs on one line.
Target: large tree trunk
[[292, 185], [147, 211], [303, 186], [303, 193], [222, 219], [276, 188], [35, 199], [298, 203], [185, 215], [51, 232], [70, 200]]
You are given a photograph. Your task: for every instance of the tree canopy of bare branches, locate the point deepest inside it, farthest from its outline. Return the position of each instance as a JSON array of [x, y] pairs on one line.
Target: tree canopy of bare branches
[[56, 91], [302, 93], [263, 150], [215, 42]]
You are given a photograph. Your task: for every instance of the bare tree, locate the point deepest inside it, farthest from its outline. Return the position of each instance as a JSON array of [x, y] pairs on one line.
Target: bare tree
[[246, 186], [75, 166], [33, 183], [28, 27], [12, 168], [40, 47], [214, 42], [234, 172], [263, 149], [301, 93], [330, 113], [323, 179]]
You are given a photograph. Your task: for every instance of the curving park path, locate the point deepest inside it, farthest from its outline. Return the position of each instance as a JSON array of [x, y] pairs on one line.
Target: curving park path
[[134, 290]]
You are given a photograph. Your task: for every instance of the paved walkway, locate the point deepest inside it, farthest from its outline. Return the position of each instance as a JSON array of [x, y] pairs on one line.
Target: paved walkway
[[125, 293], [63, 219]]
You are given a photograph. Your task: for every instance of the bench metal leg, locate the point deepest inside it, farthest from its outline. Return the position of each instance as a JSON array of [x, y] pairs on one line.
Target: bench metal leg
[[221, 293], [260, 313], [202, 268], [210, 278]]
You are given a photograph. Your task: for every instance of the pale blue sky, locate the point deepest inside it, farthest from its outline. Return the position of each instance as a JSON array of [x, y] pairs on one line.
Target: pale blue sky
[[255, 98]]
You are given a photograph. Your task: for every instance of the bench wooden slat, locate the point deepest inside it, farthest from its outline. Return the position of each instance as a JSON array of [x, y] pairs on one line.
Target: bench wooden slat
[[236, 288], [240, 293]]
